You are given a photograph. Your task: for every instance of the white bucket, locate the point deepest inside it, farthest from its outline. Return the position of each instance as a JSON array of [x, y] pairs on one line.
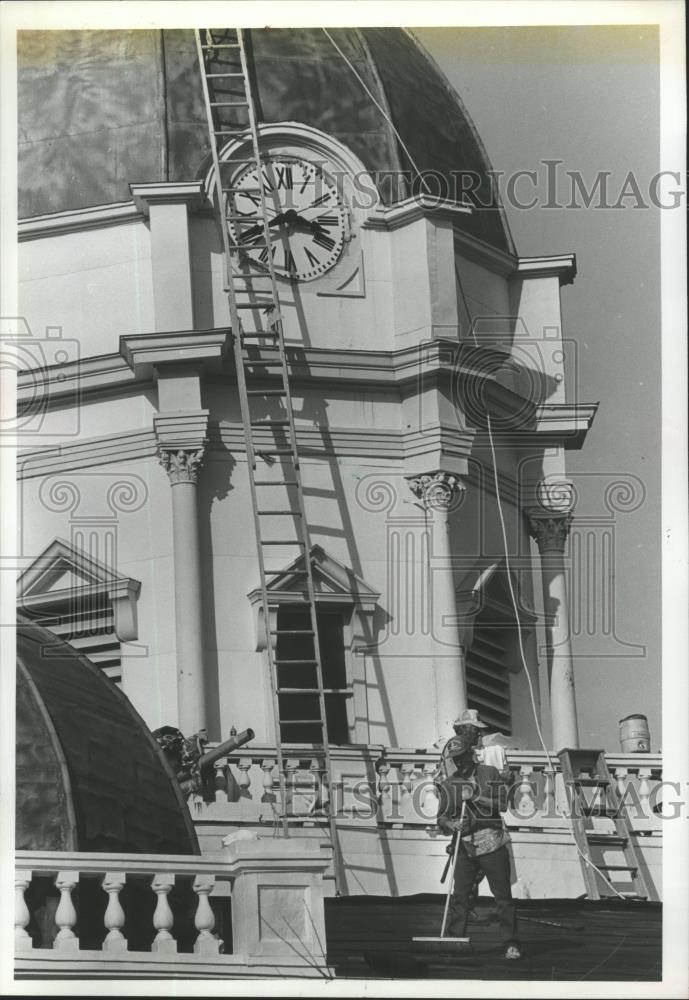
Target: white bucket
[[634, 734]]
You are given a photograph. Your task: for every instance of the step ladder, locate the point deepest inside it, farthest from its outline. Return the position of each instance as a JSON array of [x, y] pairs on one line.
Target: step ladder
[[591, 791], [264, 388]]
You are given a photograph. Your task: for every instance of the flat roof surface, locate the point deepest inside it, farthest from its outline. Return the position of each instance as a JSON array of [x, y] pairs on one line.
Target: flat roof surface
[[608, 940]]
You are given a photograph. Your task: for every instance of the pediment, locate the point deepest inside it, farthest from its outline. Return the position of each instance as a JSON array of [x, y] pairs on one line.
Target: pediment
[[332, 580], [64, 571]]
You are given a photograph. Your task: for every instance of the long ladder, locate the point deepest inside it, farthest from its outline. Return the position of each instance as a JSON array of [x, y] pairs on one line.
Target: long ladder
[[260, 358], [588, 769]]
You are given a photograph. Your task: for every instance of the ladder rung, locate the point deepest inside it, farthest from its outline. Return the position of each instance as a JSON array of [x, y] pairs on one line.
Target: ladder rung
[[255, 334], [292, 631], [230, 131], [618, 868], [301, 722], [270, 423], [256, 305], [308, 663], [262, 452], [316, 691], [590, 782], [222, 45], [279, 541], [272, 513], [246, 218], [249, 362], [276, 482], [220, 76], [266, 392], [607, 839]]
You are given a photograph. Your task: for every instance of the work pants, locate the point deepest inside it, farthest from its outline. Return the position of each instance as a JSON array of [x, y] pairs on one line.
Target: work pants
[[496, 867]]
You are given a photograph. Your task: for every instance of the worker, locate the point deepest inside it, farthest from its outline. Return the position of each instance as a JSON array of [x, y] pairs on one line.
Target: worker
[[471, 800]]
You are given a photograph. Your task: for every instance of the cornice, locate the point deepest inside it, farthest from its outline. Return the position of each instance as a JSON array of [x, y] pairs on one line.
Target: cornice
[[412, 209], [190, 193], [410, 448], [59, 223], [564, 267], [143, 351]]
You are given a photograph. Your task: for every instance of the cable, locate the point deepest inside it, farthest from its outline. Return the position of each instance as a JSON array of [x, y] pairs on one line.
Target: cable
[[514, 598], [381, 109]]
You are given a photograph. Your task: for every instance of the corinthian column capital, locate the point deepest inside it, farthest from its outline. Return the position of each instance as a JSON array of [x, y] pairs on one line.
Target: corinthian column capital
[[437, 490], [181, 437], [182, 465], [549, 528]]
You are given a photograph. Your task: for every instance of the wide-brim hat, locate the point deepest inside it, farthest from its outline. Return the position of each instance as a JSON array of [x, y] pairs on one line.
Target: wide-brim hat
[[469, 717]]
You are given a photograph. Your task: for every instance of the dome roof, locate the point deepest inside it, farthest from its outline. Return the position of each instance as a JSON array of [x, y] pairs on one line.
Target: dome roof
[[90, 776], [101, 109]]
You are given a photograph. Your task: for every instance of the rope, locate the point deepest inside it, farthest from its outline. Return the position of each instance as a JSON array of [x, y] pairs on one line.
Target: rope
[[514, 599], [381, 109]]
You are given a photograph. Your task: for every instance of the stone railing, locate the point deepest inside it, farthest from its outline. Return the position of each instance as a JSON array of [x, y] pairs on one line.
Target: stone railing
[[395, 787], [256, 909]]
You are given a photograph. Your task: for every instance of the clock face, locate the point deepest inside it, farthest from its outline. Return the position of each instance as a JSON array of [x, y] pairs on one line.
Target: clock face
[[307, 220]]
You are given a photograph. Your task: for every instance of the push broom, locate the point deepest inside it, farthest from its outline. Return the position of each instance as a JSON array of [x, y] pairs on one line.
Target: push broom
[[444, 940]]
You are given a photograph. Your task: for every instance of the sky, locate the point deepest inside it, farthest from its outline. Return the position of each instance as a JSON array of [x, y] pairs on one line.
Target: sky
[[589, 96]]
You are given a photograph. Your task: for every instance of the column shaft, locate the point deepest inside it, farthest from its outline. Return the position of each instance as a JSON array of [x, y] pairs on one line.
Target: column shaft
[[550, 528], [188, 614]]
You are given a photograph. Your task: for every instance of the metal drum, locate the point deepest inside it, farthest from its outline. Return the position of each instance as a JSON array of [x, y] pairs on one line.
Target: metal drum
[[634, 734]]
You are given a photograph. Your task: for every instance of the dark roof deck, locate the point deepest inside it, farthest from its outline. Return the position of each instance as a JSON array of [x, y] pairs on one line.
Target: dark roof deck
[[608, 940]]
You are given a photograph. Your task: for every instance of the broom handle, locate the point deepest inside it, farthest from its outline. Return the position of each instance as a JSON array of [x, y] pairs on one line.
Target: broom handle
[[451, 883]]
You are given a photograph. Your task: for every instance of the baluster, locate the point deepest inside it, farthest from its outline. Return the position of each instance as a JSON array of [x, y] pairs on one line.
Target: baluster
[[622, 777], [291, 767], [526, 806], [268, 766], [115, 941], [645, 790], [204, 921], [549, 805], [383, 781], [317, 781], [66, 915], [429, 797], [221, 783], [244, 780], [163, 918], [22, 938], [407, 772]]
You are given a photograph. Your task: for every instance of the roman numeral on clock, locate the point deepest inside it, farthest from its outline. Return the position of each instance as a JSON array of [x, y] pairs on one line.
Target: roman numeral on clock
[[327, 220], [283, 176], [323, 240], [290, 264], [313, 261], [322, 200]]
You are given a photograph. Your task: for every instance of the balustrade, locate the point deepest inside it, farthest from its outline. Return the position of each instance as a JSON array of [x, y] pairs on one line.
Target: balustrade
[[398, 787], [228, 884]]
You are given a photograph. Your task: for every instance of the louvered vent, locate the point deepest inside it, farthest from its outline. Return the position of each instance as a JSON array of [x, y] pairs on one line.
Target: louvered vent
[[85, 621], [488, 681]]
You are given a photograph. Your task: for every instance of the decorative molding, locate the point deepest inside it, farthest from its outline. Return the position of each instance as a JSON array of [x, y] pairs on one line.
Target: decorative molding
[[181, 429], [563, 267], [549, 529], [441, 491], [145, 351], [411, 209], [411, 447], [35, 586], [60, 223], [189, 193], [182, 465], [334, 584]]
